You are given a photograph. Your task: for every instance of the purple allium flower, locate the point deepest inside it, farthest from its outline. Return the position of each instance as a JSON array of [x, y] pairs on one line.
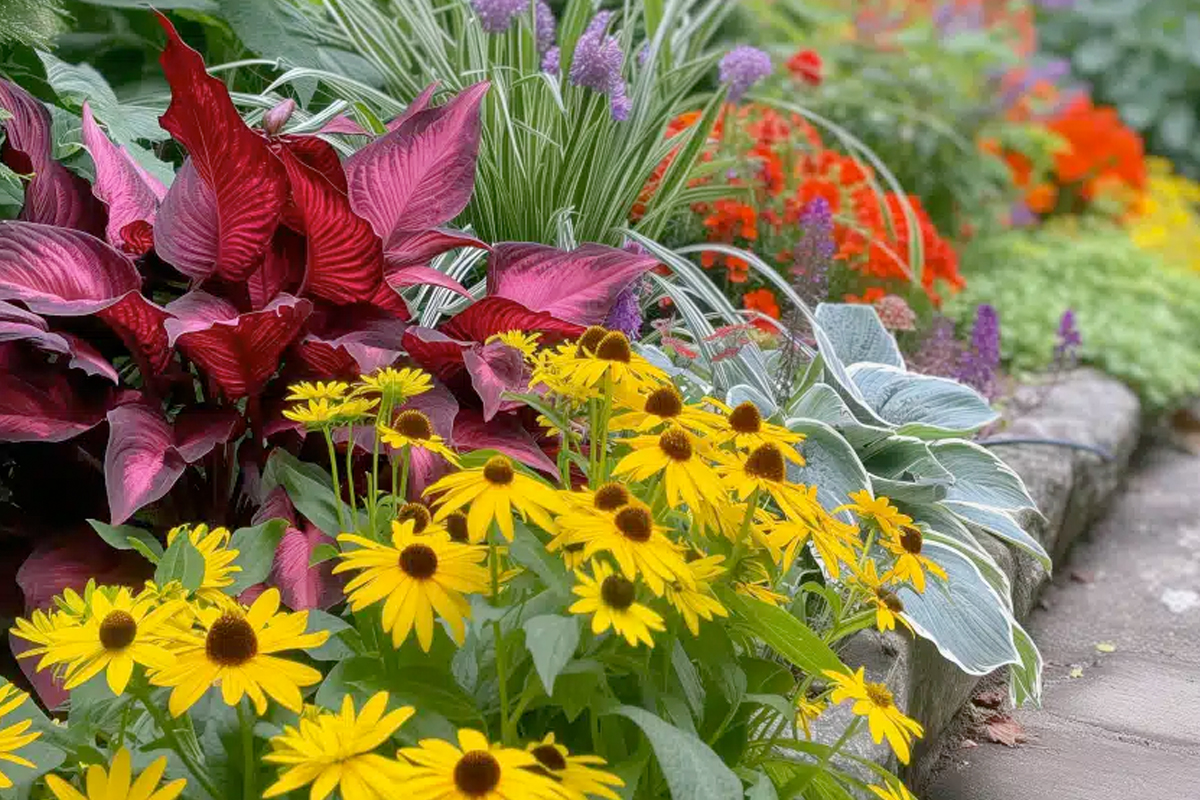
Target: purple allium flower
[[496, 16], [742, 67], [546, 27], [643, 54], [597, 63], [626, 312], [977, 367], [814, 252], [1021, 215], [940, 352], [550, 61], [1066, 352]]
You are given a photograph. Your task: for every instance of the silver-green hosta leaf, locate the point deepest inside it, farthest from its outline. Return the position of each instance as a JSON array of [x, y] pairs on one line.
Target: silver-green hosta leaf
[[830, 463], [1001, 525], [858, 334], [980, 477], [904, 458], [823, 404], [942, 526], [1025, 677], [964, 618], [744, 393], [921, 405], [692, 769], [907, 491]]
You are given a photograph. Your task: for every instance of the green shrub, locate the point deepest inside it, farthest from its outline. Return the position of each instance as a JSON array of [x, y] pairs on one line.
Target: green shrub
[[1140, 320]]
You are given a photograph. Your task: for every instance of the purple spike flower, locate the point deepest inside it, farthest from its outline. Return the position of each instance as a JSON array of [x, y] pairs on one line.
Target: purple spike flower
[[813, 254], [496, 16], [597, 64], [978, 365], [626, 312], [741, 68], [546, 27], [1066, 352]]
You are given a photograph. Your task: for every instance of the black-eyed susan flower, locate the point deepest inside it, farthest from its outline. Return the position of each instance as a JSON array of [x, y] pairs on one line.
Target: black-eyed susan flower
[[807, 712], [611, 599], [663, 405], [892, 789], [117, 633], [833, 543], [764, 470], [761, 590], [333, 390], [697, 602], [354, 409], [15, 736], [412, 428], [887, 603], [551, 370], [455, 524], [745, 427], [525, 341], [910, 564], [878, 510], [396, 385], [634, 540], [678, 456], [474, 770], [117, 782], [419, 575], [315, 414], [218, 559], [611, 359], [421, 518], [234, 648], [494, 491], [577, 775], [336, 751], [874, 701]]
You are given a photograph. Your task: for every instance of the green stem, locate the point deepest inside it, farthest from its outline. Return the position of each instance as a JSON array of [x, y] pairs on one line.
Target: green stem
[[172, 738], [823, 764], [249, 765], [406, 463], [498, 634], [350, 475], [333, 471], [739, 546], [605, 415]]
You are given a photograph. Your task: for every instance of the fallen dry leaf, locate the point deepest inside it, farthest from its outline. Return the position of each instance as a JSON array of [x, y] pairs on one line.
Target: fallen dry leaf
[[1106, 647], [967, 744], [1005, 730], [1076, 672]]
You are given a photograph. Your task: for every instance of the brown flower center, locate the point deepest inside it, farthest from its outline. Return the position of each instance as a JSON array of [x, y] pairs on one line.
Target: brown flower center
[[498, 471], [634, 523], [477, 773], [766, 462], [675, 443], [879, 695], [549, 757], [414, 425], [118, 630], [664, 402], [231, 641], [617, 592], [745, 418], [591, 338], [890, 599], [911, 539], [610, 497], [417, 513], [614, 347], [456, 525], [419, 561]]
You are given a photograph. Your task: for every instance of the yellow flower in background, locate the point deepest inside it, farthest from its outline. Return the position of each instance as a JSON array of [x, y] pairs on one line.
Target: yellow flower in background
[[1167, 220], [234, 650], [525, 341], [419, 574], [697, 602], [494, 491], [218, 559], [334, 751], [474, 770], [678, 456], [878, 510], [762, 591], [635, 541], [577, 775], [316, 414], [395, 384], [807, 712], [333, 390], [15, 736], [551, 369], [893, 790], [611, 599], [886, 602], [745, 427], [413, 428], [874, 701], [910, 564], [117, 783], [661, 406]]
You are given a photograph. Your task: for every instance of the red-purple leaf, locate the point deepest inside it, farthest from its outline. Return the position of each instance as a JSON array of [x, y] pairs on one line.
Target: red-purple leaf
[[17, 324], [415, 276], [301, 586], [578, 285], [344, 125], [419, 103], [495, 369], [275, 505], [139, 323], [71, 561], [198, 430], [420, 175], [54, 195], [47, 688], [373, 344], [504, 434], [61, 272], [186, 230], [317, 154], [493, 315], [274, 120], [247, 181], [129, 193], [345, 257], [141, 463], [239, 352], [435, 351], [406, 250], [282, 269], [42, 406]]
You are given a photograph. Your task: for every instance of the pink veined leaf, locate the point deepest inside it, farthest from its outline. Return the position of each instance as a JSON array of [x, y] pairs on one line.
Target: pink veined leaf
[[334, 351], [344, 125], [504, 433], [578, 285], [440, 405], [70, 561], [53, 195], [247, 182], [139, 323], [141, 463], [301, 586], [17, 324], [494, 369], [420, 175], [416, 276], [407, 250], [316, 154], [120, 185], [275, 505], [186, 232], [281, 270], [61, 272], [199, 430], [493, 315], [419, 103], [239, 352], [43, 406]]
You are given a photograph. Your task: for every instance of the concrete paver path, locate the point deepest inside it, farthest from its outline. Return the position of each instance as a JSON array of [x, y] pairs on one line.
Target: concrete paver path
[[1129, 725]]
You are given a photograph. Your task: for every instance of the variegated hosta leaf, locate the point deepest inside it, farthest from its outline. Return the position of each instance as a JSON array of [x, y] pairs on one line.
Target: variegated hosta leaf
[[1001, 525], [858, 335], [921, 405], [830, 463], [980, 477], [822, 403], [743, 393]]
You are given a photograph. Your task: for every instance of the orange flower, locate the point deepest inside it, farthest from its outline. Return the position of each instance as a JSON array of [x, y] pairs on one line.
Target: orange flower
[[806, 66], [764, 302]]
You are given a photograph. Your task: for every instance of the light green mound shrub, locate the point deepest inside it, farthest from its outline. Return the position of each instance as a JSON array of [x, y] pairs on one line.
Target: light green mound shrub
[[1139, 319]]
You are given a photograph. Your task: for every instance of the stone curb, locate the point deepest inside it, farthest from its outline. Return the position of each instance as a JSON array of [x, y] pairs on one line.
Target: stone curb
[[1071, 488]]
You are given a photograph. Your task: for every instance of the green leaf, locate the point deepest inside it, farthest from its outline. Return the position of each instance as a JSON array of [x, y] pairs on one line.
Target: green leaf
[[44, 755], [693, 771], [127, 537], [689, 679], [551, 640], [1096, 55], [256, 548], [309, 487], [783, 633], [322, 553], [528, 551], [344, 641], [181, 562]]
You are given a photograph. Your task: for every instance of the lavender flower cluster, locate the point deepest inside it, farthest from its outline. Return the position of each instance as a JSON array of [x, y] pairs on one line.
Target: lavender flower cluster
[[813, 254], [741, 68], [978, 365]]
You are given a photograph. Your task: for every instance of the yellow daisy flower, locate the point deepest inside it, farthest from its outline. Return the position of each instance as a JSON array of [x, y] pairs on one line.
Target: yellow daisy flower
[[525, 341], [421, 518], [745, 427], [761, 590], [575, 774], [412, 428], [16, 736], [630, 534], [764, 470], [316, 414], [676, 454], [494, 491], [887, 604], [475, 770], [117, 783], [613, 358], [697, 602], [419, 575], [910, 565], [893, 790], [334, 390], [354, 409], [611, 599], [878, 510], [664, 405], [334, 751], [832, 542], [874, 701], [807, 712], [552, 368], [395, 384], [116, 634], [218, 559], [233, 650]]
